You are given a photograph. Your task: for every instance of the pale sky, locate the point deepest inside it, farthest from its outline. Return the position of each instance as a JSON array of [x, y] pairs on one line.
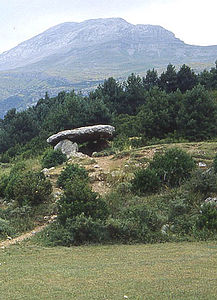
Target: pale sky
[[193, 21]]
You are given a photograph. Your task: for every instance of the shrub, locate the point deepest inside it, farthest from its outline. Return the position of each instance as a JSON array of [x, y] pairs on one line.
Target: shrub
[[77, 199], [29, 188], [7, 181], [18, 167], [215, 163], [173, 167], [180, 214], [121, 143], [5, 228], [119, 197], [52, 158], [124, 230], [3, 185], [207, 218], [184, 224], [136, 223], [85, 230], [145, 181], [9, 189], [143, 214], [76, 231], [4, 157], [203, 182], [70, 173]]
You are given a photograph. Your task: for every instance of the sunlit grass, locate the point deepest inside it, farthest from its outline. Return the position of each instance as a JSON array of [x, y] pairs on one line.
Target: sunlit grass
[[160, 271]]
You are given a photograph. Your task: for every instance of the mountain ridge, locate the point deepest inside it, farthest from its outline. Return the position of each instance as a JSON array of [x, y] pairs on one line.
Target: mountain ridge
[[73, 34], [71, 53]]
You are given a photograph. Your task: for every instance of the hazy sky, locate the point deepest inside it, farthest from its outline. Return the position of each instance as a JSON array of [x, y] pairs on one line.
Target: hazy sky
[[193, 21]]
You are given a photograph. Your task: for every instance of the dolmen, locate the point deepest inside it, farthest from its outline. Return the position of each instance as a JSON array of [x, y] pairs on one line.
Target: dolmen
[[67, 140]]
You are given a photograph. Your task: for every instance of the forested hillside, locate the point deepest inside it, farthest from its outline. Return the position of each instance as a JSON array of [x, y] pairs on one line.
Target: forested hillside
[[175, 105]]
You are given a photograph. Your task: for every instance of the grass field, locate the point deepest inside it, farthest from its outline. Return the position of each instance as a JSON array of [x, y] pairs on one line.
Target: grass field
[[160, 271]]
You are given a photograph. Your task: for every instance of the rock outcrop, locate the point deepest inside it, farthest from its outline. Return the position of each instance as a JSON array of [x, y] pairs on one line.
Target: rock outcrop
[[83, 134]]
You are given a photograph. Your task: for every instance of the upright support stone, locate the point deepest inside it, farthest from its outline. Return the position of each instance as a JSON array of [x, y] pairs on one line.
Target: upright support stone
[[67, 147]]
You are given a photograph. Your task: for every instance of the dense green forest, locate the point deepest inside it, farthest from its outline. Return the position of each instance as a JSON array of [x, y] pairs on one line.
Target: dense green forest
[[175, 105]]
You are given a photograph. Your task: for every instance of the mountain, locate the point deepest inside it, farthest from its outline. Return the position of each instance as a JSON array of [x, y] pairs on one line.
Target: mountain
[[80, 55]]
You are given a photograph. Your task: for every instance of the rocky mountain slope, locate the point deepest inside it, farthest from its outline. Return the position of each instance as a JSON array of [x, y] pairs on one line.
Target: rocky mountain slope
[[74, 39], [79, 55]]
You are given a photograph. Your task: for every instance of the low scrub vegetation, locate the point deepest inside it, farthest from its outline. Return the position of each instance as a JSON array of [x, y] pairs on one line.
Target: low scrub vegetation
[[70, 173], [149, 208], [25, 194], [173, 167], [53, 158]]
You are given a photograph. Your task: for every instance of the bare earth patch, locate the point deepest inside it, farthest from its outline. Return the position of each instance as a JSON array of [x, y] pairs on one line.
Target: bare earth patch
[[26, 235]]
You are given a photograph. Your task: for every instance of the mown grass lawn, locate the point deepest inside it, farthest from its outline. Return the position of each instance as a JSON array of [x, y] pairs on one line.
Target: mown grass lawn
[[159, 271]]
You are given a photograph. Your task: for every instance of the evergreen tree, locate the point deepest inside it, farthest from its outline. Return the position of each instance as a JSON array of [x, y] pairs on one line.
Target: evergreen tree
[[111, 93], [150, 80], [135, 93], [197, 119], [213, 77], [168, 80], [204, 78], [154, 114], [186, 78]]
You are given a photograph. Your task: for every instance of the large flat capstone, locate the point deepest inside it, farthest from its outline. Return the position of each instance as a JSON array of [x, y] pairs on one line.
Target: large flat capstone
[[83, 134]]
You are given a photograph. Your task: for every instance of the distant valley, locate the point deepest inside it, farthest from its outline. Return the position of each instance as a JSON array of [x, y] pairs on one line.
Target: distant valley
[[81, 55]]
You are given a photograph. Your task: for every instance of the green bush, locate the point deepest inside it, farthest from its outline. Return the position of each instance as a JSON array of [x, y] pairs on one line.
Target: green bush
[[7, 181], [3, 185], [119, 197], [5, 228], [121, 143], [9, 189], [203, 182], [134, 224], [52, 158], [137, 223], [181, 215], [215, 163], [145, 181], [4, 157], [126, 231], [28, 188], [77, 199], [86, 230], [77, 231], [184, 224], [70, 173], [173, 167], [143, 214], [18, 167], [207, 218]]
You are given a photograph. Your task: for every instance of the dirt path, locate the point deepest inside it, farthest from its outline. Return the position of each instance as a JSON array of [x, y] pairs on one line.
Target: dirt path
[[26, 235], [106, 164]]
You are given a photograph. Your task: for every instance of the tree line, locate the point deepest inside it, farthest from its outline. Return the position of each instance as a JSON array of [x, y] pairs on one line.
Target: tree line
[[179, 104]]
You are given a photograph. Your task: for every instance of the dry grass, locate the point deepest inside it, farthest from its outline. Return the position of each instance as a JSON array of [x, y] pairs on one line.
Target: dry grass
[[160, 271]]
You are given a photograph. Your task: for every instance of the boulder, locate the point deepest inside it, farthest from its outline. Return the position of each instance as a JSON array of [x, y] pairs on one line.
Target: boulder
[[67, 147], [83, 134]]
